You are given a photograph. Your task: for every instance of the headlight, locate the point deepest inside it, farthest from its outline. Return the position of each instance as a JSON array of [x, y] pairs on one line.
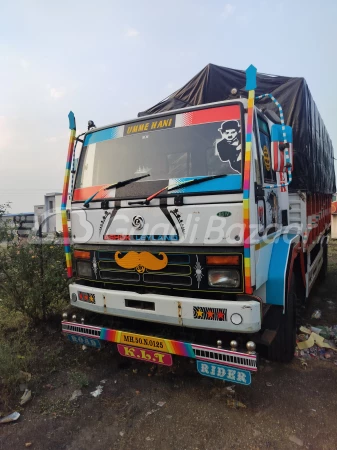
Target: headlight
[[84, 269], [224, 278]]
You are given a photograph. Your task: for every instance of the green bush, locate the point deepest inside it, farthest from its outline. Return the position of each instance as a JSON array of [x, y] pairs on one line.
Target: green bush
[[33, 279], [14, 362]]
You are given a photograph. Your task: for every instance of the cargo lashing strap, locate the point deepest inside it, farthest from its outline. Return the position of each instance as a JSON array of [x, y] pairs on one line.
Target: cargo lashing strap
[[286, 152]]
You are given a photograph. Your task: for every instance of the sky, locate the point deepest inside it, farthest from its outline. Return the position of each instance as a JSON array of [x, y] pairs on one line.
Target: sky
[[108, 60]]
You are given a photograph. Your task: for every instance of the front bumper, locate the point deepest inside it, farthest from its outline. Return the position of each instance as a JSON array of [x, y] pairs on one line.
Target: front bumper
[[88, 335], [224, 315]]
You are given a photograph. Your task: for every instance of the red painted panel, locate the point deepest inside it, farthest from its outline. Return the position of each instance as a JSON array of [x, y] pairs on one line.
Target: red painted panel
[[212, 115], [82, 194]]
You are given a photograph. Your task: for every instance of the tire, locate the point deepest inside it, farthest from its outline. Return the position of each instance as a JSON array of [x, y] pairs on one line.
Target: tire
[[282, 348], [324, 269]]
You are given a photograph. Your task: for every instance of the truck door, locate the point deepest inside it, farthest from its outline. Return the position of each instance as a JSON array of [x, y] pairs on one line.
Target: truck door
[[271, 196]]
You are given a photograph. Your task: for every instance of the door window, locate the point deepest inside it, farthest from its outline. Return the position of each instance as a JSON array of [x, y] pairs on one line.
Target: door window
[[265, 142]]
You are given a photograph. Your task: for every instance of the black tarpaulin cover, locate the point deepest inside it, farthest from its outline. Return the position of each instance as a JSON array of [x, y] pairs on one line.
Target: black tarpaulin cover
[[313, 151]]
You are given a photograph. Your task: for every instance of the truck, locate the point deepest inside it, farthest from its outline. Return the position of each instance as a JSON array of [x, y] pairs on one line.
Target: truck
[[199, 228]]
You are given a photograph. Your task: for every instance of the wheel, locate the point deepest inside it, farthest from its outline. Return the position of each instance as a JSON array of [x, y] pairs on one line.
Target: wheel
[[282, 348], [324, 269]]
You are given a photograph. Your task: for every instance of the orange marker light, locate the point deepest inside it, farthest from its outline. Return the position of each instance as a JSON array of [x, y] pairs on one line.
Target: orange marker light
[[223, 260], [80, 254]]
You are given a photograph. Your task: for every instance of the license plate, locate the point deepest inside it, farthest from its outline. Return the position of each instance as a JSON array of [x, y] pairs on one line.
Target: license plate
[[139, 340], [84, 341], [224, 373], [145, 355]]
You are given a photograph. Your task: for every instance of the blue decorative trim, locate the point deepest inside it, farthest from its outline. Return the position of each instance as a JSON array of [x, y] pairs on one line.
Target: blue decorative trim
[[277, 133], [277, 274], [72, 123], [251, 78], [229, 183], [102, 135]]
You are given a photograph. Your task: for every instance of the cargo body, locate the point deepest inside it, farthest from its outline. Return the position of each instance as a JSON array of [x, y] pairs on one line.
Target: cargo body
[[203, 249]]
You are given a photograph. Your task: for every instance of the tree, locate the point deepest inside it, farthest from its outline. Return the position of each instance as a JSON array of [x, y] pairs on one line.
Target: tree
[[4, 208], [5, 232]]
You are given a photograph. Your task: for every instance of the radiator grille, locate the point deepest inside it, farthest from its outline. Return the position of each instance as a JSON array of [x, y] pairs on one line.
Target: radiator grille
[[184, 274], [122, 276], [176, 273], [157, 278]]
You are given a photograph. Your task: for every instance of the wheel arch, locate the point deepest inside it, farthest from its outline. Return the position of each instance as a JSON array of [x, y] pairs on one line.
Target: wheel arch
[[285, 261]]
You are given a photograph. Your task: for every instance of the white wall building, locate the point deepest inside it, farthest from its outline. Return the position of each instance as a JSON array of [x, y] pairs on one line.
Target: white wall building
[[49, 214], [38, 215]]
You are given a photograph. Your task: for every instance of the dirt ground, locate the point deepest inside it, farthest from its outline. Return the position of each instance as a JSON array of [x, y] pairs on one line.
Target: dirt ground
[[286, 407]]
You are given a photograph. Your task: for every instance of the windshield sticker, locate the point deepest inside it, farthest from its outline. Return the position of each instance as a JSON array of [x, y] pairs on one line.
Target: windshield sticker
[[149, 125], [104, 218], [228, 148], [208, 115], [223, 113], [177, 215], [104, 135]]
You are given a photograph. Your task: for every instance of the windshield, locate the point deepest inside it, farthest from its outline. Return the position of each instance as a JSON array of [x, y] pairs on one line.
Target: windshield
[[199, 143]]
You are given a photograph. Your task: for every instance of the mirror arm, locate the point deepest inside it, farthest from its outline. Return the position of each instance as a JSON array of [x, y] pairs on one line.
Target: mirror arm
[[283, 146]]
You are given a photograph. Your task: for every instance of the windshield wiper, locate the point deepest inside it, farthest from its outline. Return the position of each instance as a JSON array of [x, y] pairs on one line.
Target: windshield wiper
[[114, 185], [177, 186]]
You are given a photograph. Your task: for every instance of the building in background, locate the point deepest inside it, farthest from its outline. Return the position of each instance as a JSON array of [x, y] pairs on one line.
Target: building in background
[[38, 216], [49, 214], [50, 223]]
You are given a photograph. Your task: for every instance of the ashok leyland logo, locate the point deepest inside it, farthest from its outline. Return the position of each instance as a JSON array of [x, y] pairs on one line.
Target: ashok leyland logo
[[138, 222]]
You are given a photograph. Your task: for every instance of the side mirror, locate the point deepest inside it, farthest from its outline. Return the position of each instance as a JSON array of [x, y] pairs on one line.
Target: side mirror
[[279, 147]]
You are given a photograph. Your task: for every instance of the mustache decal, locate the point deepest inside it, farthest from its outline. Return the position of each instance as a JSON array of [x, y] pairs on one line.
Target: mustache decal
[[141, 261]]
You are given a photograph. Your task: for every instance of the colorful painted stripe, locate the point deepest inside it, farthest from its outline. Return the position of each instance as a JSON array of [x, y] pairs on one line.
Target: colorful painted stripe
[[66, 239], [170, 346], [208, 115], [104, 135], [263, 244], [222, 113], [250, 87], [231, 182]]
